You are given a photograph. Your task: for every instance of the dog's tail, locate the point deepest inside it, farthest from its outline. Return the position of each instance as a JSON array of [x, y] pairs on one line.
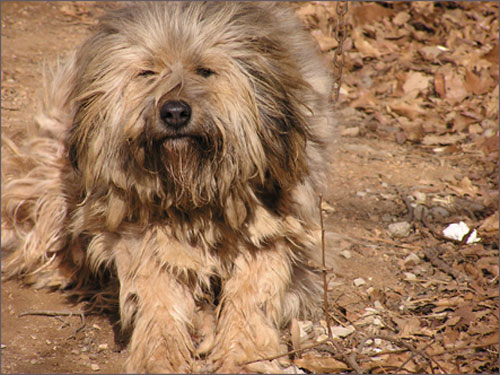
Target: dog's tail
[[34, 201]]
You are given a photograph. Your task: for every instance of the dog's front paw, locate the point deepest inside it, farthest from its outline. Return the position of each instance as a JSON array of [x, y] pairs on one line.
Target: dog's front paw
[[247, 355], [230, 365], [159, 354]]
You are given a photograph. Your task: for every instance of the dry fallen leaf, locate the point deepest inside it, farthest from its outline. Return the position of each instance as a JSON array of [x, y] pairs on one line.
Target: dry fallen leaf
[[439, 85], [320, 365], [295, 334], [446, 139], [455, 88], [490, 224], [478, 85]]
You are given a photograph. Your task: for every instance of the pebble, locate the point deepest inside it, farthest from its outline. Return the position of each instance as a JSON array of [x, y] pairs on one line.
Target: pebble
[[420, 197], [410, 276], [340, 331], [440, 212], [359, 281], [321, 337], [293, 370], [412, 259], [378, 305], [346, 254], [351, 132], [102, 347], [95, 367], [400, 229]]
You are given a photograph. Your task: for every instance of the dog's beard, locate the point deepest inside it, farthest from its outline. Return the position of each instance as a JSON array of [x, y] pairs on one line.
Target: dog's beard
[[187, 166]]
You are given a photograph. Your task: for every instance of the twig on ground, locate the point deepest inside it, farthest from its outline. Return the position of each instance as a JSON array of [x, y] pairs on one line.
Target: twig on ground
[[57, 314], [270, 358], [413, 354], [438, 263], [388, 242], [324, 271], [410, 347], [349, 359]]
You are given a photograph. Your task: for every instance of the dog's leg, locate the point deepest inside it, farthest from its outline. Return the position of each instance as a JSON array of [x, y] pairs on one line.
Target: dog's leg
[[251, 310], [159, 308]]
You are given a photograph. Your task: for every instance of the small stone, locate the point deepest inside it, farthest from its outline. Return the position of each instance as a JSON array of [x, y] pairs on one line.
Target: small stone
[[95, 367], [33, 361], [3, 346], [102, 347], [96, 327], [378, 305], [48, 342], [75, 352], [322, 337], [410, 276], [412, 259], [440, 212], [420, 197], [351, 132], [359, 281], [400, 229], [33, 337], [340, 331], [346, 254], [293, 370], [305, 328]]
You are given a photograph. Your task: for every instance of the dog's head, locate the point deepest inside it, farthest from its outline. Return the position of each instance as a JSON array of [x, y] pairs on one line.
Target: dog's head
[[182, 103]]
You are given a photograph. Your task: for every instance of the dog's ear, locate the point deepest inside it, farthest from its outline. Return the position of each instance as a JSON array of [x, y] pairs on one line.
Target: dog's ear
[[72, 156], [72, 149], [284, 141]]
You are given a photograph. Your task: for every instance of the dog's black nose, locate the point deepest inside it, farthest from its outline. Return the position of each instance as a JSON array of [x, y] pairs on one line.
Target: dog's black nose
[[175, 113]]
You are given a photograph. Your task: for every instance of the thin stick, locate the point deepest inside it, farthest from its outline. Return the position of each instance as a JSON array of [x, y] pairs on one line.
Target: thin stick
[[411, 348], [415, 353], [311, 346], [324, 271], [80, 314], [52, 313], [349, 359]]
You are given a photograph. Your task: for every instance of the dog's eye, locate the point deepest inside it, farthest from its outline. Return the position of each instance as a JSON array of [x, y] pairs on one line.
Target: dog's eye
[[204, 72], [146, 73]]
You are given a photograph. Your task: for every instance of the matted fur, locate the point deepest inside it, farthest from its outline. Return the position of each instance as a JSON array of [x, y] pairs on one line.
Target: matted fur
[[209, 234]]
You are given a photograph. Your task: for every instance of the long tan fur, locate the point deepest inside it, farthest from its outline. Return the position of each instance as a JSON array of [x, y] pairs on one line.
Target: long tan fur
[[211, 232]]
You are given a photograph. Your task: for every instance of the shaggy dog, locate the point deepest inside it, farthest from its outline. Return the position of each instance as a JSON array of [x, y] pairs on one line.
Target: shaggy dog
[[179, 151]]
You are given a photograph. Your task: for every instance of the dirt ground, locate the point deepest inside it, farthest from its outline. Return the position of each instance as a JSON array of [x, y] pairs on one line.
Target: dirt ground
[[417, 150]]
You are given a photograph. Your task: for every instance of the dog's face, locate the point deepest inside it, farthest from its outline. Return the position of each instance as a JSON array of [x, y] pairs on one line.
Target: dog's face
[[183, 104]]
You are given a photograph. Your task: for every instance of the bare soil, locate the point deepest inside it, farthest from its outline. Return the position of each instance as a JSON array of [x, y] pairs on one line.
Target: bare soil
[[425, 303]]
